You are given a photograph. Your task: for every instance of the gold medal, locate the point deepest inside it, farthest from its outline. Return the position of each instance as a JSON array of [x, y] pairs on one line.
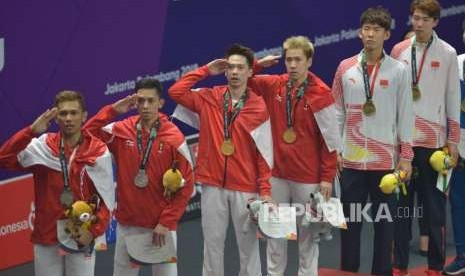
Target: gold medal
[[289, 136], [227, 148], [416, 93], [463, 106], [369, 108]]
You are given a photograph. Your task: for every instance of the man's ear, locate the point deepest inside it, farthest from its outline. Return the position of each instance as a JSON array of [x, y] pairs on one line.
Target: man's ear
[[310, 62], [387, 35], [250, 73]]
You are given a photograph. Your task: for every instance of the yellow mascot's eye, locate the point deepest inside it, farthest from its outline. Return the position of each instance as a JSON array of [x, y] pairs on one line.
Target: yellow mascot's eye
[[84, 217]]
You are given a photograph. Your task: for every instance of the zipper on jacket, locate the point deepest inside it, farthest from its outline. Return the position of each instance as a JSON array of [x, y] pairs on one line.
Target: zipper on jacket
[[225, 170]]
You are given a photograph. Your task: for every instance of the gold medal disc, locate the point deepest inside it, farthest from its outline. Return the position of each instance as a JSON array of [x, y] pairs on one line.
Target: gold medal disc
[[289, 136], [369, 108], [227, 148], [416, 93]]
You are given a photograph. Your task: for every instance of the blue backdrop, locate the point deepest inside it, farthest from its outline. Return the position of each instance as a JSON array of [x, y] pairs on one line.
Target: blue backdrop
[[101, 47]]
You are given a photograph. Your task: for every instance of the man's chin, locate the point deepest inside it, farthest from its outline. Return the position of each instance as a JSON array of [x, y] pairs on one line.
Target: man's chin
[[69, 132], [294, 78], [146, 117]]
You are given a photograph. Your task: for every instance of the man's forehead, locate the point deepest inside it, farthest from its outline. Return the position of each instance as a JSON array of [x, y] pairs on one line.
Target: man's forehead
[[237, 59], [69, 105], [371, 25], [146, 93], [421, 13], [294, 52], [145, 96]]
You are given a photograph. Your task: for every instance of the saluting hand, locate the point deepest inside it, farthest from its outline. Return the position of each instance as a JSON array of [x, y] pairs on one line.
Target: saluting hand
[[217, 66], [126, 104], [269, 60], [42, 123]]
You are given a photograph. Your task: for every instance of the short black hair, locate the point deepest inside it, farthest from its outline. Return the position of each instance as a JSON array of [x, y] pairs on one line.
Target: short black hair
[[377, 15], [148, 83], [241, 50]]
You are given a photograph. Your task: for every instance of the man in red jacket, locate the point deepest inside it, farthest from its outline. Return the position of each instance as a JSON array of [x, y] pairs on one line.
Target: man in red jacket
[[235, 154], [145, 147], [305, 140], [67, 166]]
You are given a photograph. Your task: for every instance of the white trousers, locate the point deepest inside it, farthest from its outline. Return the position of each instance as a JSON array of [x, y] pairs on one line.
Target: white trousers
[[216, 204], [286, 191], [122, 263], [48, 261]]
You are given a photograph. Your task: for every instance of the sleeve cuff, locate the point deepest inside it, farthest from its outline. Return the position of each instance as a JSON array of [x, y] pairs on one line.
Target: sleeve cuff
[[452, 142], [265, 191], [406, 152], [327, 179], [167, 224], [28, 131], [406, 159], [256, 67], [204, 70], [112, 111]]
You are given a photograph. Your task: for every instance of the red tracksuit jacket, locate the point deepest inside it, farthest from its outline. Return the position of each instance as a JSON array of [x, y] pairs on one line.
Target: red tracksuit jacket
[[246, 170], [312, 157], [17, 154], [145, 207]]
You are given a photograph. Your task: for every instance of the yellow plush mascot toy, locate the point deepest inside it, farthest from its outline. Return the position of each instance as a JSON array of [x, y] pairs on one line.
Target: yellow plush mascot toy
[[79, 215]]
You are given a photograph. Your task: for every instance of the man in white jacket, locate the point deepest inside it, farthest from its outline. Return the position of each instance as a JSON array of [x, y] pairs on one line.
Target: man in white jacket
[[432, 67], [376, 121], [457, 189]]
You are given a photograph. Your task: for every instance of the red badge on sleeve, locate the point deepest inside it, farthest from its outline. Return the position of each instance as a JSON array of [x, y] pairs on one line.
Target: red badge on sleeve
[[435, 64]]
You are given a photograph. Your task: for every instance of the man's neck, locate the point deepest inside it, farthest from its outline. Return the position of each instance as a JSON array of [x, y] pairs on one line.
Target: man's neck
[[423, 39], [237, 92], [148, 124], [298, 82], [373, 56], [72, 139]]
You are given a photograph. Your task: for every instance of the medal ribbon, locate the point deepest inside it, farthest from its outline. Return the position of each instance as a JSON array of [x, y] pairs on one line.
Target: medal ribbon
[[416, 75], [369, 88], [289, 109], [227, 121], [64, 164], [148, 148]]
